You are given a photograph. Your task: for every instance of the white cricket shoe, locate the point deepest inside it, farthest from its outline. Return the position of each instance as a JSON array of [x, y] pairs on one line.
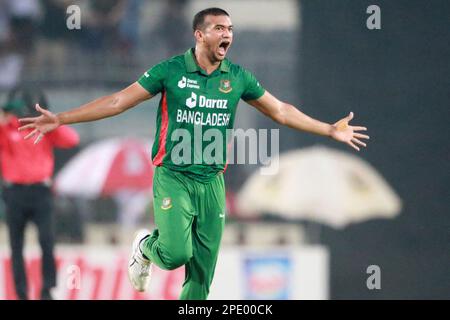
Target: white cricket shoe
[[139, 267]]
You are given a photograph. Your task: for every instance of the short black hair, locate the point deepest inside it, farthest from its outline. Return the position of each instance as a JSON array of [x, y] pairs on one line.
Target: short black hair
[[199, 18]]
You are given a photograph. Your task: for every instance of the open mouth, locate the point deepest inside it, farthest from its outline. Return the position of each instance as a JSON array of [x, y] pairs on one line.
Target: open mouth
[[223, 47]]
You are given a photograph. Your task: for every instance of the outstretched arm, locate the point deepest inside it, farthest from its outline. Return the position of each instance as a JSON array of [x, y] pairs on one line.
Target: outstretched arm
[[100, 108], [290, 116]]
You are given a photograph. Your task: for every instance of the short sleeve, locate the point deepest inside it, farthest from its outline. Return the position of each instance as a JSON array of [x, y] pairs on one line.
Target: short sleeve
[[153, 80], [253, 89]]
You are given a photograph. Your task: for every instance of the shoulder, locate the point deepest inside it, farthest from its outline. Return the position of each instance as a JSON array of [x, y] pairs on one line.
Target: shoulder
[[9, 120], [165, 68], [172, 62], [237, 70], [234, 67]]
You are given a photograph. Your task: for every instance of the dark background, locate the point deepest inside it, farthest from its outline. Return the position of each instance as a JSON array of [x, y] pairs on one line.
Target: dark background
[[396, 80]]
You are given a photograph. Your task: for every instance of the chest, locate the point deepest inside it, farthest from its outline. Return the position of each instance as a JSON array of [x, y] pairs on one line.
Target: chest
[[221, 92], [14, 142]]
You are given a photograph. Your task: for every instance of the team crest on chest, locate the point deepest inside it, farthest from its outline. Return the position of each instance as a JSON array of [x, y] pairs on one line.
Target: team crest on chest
[[225, 86]]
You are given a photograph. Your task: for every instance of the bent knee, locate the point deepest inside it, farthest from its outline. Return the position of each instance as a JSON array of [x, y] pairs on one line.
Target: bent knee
[[177, 259]]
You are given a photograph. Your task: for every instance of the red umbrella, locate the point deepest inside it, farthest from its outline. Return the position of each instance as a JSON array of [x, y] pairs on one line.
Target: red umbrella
[[107, 167]]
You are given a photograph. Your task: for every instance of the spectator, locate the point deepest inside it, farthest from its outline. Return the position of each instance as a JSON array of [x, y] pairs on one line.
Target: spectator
[[129, 31], [4, 21], [102, 24], [173, 20], [23, 22], [52, 46], [11, 64], [26, 185]]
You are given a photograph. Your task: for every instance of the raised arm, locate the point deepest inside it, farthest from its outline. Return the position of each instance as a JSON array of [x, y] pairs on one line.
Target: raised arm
[[100, 108], [288, 115]]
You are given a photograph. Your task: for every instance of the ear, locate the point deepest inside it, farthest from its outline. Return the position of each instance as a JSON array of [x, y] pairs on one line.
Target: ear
[[198, 35]]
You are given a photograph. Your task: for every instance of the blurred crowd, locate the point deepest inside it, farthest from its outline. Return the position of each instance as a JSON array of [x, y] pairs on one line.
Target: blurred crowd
[[35, 37]]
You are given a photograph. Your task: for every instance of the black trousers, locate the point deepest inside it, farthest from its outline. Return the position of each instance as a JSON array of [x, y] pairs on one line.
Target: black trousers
[[26, 203]]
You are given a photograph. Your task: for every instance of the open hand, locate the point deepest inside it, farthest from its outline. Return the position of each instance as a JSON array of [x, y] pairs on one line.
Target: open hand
[[348, 134], [40, 125]]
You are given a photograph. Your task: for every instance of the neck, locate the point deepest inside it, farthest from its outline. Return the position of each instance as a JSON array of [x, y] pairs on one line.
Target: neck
[[205, 62]]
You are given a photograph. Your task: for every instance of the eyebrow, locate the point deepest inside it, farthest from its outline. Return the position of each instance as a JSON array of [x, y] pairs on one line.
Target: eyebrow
[[221, 25]]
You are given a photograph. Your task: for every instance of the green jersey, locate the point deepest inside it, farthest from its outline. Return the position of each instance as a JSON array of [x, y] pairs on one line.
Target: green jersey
[[196, 112]]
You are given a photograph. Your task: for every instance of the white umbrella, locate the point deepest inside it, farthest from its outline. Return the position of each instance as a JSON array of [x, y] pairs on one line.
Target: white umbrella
[[106, 168], [322, 185]]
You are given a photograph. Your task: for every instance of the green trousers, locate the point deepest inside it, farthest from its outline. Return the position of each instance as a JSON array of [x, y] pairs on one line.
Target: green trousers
[[189, 218]]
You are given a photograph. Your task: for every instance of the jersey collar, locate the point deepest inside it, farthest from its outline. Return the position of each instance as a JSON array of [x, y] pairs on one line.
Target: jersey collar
[[192, 66]]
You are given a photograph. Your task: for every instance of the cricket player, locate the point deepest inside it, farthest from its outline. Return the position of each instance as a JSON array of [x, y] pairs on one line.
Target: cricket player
[[199, 89]]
